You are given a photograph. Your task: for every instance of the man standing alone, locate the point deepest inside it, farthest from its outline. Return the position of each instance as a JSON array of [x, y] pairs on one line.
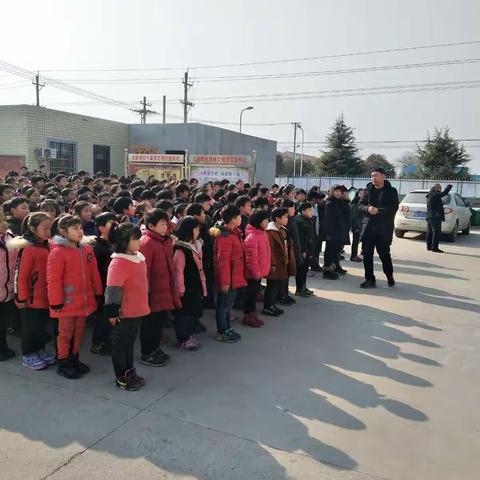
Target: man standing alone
[[435, 216], [379, 204]]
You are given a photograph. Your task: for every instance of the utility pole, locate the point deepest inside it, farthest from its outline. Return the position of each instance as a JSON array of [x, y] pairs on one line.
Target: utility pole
[[164, 112], [295, 126], [144, 111], [38, 87], [185, 101]]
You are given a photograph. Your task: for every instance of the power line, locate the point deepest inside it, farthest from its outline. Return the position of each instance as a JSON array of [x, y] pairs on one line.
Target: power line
[[270, 62]]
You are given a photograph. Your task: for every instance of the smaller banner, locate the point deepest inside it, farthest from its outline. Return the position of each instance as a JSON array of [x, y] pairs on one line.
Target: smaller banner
[[221, 160], [160, 172], [155, 158], [211, 173]]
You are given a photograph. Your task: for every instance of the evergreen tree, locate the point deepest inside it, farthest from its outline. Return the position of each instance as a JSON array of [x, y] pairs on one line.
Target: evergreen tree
[[442, 156], [375, 160], [341, 158]]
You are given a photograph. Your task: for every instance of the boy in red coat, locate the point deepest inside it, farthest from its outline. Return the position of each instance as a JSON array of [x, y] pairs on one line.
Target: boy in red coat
[[157, 248], [73, 283], [229, 262]]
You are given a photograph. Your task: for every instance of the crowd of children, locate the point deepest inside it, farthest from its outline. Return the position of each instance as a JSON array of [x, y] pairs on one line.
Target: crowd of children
[[132, 257]]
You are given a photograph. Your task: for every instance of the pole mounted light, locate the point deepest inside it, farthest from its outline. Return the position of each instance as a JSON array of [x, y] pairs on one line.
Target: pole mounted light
[[241, 114]]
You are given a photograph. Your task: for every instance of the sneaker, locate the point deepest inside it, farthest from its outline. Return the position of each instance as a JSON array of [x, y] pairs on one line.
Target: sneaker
[[391, 281], [341, 257], [128, 382], [66, 369], [279, 310], [189, 346], [199, 327], [133, 372], [155, 359], [103, 349], [33, 362], [287, 301], [437, 250], [356, 258], [162, 355], [48, 358], [302, 293], [368, 284], [80, 367], [14, 332], [231, 336], [271, 311], [311, 292], [341, 271]]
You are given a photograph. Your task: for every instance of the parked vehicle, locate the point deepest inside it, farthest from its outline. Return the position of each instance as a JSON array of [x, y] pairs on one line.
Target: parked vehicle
[[412, 213]]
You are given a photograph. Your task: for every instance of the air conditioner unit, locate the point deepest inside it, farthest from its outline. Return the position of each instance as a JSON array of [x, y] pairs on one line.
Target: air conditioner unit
[[50, 153]]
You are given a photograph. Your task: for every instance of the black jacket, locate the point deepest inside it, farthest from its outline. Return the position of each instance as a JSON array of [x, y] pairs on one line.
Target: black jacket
[[14, 225], [435, 204], [303, 238], [386, 200], [103, 252], [336, 221]]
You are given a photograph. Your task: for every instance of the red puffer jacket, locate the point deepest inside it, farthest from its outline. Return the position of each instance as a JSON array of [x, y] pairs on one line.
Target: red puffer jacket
[[31, 272], [158, 253], [257, 253], [73, 280], [228, 257]]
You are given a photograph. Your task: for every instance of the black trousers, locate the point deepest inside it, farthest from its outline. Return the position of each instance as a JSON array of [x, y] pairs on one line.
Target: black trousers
[[332, 252], [34, 329], [271, 292], [434, 230], [8, 316], [124, 334], [184, 326], [370, 243], [355, 244], [253, 288], [301, 276], [102, 328], [151, 332]]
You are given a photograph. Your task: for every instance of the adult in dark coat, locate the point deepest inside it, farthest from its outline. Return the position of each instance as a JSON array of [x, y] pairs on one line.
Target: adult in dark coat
[[435, 216], [356, 225], [379, 205]]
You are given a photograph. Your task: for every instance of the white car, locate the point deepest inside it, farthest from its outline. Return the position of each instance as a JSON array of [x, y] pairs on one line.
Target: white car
[[412, 213]]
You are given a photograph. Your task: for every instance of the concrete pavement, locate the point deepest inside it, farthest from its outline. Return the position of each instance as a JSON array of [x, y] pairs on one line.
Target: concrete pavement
[[351, 384]]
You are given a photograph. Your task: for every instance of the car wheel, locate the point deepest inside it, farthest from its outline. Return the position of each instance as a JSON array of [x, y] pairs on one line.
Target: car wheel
[[466, 231], [452, 236], [400, 233]]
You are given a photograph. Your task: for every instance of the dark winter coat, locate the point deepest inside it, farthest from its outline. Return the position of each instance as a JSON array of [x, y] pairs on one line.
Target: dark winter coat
[[336, 221], [304, 239], [89, 228], [386, 200], [14, 225], [103, 253], [356, 216], [435, 205], [192, 303]]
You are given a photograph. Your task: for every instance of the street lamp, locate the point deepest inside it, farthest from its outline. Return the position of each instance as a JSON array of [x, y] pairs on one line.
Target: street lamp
[[295, 126], [241, 113], [301, 155]]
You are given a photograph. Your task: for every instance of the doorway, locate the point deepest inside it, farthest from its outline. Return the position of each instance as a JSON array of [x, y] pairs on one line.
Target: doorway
[[101, 159]]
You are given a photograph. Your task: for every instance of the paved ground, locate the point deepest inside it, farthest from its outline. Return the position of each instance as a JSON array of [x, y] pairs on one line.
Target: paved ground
[[351, 385]]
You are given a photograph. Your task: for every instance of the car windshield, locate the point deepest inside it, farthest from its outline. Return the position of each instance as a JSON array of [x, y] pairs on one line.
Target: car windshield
[[421, 197]]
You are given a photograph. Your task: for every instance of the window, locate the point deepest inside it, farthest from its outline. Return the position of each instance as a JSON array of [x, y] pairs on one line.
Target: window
[[459, 201], [66, 156], [421, 198]]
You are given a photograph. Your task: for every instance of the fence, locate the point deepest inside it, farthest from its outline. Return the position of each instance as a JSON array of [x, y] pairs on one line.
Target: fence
[[466, 188]]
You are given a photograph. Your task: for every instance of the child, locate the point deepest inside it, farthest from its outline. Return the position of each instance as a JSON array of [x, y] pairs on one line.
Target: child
[[258, 258], [15, 211], [126, 301], [83, 210], [278, 274], [190, 281], [31, 289], [102, 330], [179, 213], [229, 262], [123, 207], [8, 310], [156, 246], [73, 283], [245, 205], [304, 247]]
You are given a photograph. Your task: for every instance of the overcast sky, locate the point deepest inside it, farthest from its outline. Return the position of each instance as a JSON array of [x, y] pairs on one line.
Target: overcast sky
[[171, 35]]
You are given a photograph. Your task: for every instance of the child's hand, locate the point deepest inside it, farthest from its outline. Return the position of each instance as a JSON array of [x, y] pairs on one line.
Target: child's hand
[[224, 288], [114, 321], [304, 255], [273, 269]]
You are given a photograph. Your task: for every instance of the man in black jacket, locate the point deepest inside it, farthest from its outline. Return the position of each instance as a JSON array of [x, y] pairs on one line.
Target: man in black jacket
[[435, 216], [379, 204]]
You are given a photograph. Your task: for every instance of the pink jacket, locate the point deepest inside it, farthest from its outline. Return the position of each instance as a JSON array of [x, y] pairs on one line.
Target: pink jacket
[[8, 259], [257, 253]]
